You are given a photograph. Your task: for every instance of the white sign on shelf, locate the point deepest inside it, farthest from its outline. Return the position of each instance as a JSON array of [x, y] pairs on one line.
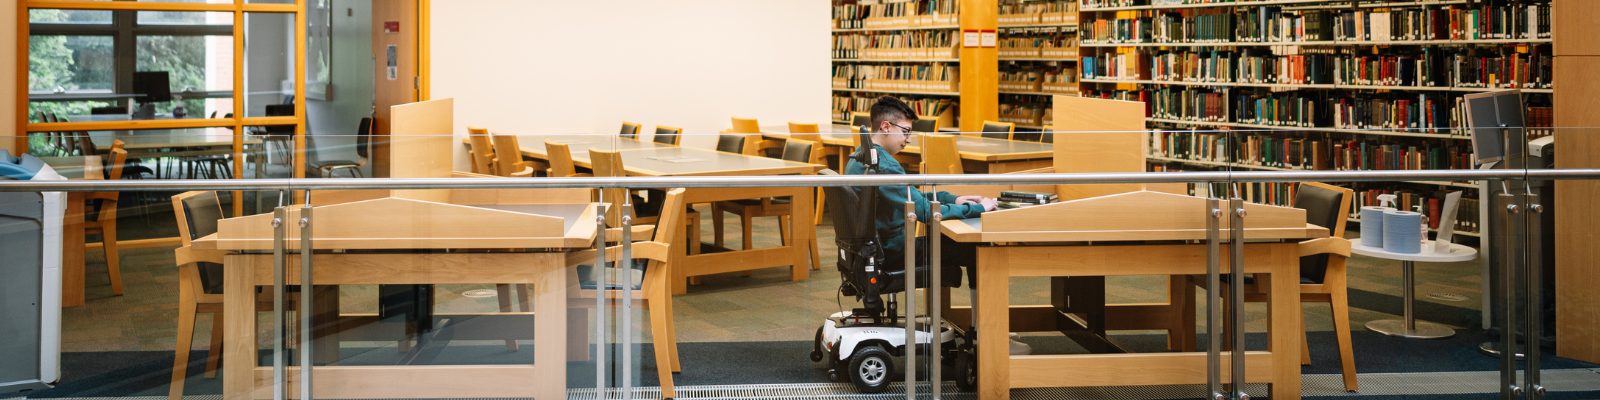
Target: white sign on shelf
[[989, 39], [970, 38]]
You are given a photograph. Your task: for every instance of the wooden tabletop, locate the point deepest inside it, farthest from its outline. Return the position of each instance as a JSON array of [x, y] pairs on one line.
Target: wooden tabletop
[[579, 145], [76, 167], [397, 223], [167, 138], [689, 161], [970, 147]]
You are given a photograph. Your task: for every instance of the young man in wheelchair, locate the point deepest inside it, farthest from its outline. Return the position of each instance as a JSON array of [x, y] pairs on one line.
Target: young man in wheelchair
[[891, 126]]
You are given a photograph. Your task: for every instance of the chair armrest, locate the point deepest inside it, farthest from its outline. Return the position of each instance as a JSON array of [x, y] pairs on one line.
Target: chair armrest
[[1327, 245], [769, 144], [640, 232], [656, 251], [187, 255], [1045, 170]]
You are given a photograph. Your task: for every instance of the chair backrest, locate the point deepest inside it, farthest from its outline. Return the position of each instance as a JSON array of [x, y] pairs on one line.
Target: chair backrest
[[482, 152], [198, 213], [363, 137], [609, 164], [799, 150], [862, 119], [629, 130], [940, 155], [742, 125], [805, 132], [507, 155], [849, 211], [86, 147], [118, 158], [1048, 134], [1325, 206], [998, 130], [731, 143], [560, 156], [925, 125], [671, 221], [668, 135]]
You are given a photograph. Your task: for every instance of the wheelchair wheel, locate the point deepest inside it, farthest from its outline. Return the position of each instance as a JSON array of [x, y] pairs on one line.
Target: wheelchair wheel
[[967, 371], [816, 347], [870, 369]]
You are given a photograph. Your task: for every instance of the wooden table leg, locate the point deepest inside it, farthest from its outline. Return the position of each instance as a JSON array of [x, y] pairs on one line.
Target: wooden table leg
[[325, 328], [1284, 315], [550, 287], [72, 248], [239, 323], [994, 322], [800, 233]]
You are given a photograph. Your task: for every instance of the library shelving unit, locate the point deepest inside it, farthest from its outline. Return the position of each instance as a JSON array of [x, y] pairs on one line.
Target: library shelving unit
[[908, 49], [1318, 84], [1038, 52]]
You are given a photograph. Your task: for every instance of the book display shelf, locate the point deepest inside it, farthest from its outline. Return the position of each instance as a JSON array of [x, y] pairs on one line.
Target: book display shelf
[[1318, 84], [908, 49], [1038, 52]]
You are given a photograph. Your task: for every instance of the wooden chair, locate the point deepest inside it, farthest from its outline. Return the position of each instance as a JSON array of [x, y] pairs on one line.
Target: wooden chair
[[813, 133], [105, 216], [508, 157], [736, 144], [482, 152], [560, 156], [200, 276], [1048, 135], [925, 125], [652, 291], [796, 150], [667, 135], [860, 119], [939, 154], [998, 130], [629, 130], [609, 164], [1322, 269], [745, 125]]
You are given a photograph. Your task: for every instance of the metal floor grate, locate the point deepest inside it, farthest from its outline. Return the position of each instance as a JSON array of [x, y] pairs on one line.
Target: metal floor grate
[[1318, 385]]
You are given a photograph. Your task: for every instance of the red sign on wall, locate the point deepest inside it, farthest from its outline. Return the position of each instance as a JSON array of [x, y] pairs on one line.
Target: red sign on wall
[[391, 27]]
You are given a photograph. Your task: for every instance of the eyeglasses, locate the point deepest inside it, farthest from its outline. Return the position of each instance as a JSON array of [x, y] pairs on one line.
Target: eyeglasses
[[903, 129]]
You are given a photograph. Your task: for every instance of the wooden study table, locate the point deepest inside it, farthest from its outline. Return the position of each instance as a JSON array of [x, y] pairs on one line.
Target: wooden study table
[[1112, 235], [643, 158], [396, 240], [72, 240], [984, 155], [147, 143]]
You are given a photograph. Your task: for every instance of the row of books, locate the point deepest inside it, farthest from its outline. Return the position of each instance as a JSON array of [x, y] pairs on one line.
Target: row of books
[[1061, 80], [1121, 65], [922, 77], [1273, 25], [1415, 112], [845, 105], [1512, 67], [1030, 114], [1295, 151], [905, 14], [1040, 12], [1431, 201], [1509, 21], [1053, 46], [895, 45]]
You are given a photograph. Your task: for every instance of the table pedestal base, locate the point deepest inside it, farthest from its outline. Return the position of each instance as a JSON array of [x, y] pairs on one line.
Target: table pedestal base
[[1422, 330]]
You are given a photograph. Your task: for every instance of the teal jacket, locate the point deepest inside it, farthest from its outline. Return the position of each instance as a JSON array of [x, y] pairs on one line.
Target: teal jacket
[[891, 222]]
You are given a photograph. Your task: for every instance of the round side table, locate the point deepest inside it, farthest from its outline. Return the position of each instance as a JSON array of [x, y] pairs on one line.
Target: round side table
[[1410, 327]]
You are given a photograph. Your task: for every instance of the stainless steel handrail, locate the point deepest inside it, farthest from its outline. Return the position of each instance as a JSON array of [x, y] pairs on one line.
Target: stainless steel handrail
[[791, 180]]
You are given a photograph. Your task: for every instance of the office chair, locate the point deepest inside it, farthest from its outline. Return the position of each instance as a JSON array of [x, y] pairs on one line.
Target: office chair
[[363, 141], [998, 130], [667, 135], [629, 130]]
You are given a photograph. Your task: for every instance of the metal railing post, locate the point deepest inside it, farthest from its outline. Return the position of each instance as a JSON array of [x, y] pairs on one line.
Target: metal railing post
[[306, 300], [911, 294], [278, 337], [935, 294]]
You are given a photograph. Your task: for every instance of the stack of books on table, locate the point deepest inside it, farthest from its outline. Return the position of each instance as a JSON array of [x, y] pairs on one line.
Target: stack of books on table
[[1018, 198]]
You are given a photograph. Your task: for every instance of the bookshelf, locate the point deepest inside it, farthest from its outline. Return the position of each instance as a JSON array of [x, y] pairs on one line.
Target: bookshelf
[[908, 49], [1038, 59], [1371, 84]]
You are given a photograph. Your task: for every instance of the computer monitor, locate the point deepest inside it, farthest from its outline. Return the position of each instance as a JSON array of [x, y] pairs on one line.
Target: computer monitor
[[280, 110], [152, 86]]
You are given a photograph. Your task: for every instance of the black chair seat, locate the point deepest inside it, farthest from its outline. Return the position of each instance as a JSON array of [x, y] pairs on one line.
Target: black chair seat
[[332, 163], [586, 275]]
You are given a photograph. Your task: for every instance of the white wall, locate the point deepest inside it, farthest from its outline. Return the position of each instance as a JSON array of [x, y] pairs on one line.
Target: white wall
[[335, 122], [541, 67]]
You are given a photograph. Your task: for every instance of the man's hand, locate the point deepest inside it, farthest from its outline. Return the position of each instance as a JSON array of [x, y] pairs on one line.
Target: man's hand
[[969, 199], [989, 204]]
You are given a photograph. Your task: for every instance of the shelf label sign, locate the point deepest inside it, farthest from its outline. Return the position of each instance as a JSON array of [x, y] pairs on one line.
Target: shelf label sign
[[391, 26], [989, 38], [970, 38]]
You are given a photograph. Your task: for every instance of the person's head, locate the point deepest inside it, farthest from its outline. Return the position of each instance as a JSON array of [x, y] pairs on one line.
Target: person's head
[[891, 123]]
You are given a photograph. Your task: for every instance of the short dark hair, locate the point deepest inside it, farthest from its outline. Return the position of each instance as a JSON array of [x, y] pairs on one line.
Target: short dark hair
[[888, 108]]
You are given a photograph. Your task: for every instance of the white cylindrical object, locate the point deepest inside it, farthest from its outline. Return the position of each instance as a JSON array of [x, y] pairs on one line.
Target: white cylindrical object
[[1372, 225], [1401, 232]]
